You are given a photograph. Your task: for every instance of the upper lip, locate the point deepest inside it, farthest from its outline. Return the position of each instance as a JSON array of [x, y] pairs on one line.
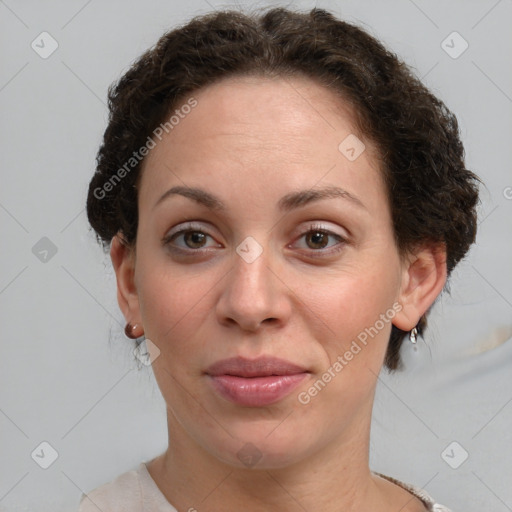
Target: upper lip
[[259, 367]]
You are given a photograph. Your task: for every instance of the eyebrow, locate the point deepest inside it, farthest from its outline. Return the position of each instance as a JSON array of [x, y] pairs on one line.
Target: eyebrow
[[286, 203]]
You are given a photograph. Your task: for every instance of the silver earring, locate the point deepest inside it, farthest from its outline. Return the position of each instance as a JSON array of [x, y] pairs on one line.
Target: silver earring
[[413, 336]]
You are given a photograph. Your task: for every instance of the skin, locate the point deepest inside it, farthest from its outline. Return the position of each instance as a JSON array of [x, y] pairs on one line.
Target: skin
[[300, 300]]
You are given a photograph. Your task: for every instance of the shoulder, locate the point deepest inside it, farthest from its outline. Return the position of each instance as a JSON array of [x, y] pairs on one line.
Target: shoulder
[[122, 494], [421, 494]]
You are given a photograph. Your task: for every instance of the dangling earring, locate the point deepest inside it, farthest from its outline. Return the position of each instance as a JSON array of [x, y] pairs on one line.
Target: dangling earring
[[129, 331], [413, 336]]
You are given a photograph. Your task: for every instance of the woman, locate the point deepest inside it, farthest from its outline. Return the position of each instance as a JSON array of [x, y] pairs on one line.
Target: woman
[[283, 202]]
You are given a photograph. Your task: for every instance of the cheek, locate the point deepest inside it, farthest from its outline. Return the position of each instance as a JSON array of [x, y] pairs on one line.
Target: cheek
[[172, 307], [352, 302], [356, 310], [356, 323]]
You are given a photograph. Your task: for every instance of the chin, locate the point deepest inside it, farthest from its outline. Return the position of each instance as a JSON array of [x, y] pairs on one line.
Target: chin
[[260, 449]]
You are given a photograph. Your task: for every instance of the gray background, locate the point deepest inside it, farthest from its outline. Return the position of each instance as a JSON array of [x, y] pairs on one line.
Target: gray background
[[68, 378]]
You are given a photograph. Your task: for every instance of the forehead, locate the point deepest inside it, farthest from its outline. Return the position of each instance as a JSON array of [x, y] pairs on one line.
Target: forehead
[[264, 105], [247, 127]]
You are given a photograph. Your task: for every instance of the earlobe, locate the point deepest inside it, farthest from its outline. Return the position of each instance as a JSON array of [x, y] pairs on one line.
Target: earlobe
[[123, 262], [423, 278]]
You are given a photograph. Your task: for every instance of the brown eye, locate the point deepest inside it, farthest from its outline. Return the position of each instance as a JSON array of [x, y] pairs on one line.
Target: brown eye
[[318, 242], [317, 239], [194, 239], [189, 239]]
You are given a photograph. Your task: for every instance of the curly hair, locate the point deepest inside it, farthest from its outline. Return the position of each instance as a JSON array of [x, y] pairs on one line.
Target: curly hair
[[432, 196]]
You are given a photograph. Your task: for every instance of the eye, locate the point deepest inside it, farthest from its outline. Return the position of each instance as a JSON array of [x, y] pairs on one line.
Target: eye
[[318, 239], [189, 238], [193, 239]]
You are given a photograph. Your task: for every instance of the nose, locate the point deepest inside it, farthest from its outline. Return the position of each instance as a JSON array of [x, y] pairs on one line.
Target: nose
[[253, 296]]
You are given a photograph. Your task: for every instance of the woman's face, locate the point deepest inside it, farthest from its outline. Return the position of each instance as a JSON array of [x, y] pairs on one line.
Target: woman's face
[[277, 242]]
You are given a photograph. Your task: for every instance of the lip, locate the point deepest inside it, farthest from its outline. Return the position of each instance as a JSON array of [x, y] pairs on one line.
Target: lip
[[255, 382]]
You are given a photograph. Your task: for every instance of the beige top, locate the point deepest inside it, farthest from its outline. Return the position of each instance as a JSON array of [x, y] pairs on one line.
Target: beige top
[[136, 491]]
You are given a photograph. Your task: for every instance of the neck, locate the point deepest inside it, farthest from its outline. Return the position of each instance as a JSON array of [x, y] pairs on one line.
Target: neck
[[332, 479]]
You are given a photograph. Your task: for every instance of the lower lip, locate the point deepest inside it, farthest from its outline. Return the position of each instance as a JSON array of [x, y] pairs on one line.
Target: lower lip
[[256, 391]]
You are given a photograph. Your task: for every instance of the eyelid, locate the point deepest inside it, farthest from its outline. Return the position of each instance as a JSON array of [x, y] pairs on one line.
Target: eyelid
[[184, 227], [319, 226], [343, 240]]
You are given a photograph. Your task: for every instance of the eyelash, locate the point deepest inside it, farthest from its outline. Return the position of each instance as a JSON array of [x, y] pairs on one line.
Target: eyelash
[[315, 228], [312, 228]]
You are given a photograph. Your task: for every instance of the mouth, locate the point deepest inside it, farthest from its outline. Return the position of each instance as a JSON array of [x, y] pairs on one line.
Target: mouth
[[255, 382]]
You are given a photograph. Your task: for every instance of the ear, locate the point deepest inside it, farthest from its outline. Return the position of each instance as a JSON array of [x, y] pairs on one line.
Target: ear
[[123, 261], [423, 278]]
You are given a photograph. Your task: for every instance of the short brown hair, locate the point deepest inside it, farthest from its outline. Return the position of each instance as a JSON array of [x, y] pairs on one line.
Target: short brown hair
[[432, 196]]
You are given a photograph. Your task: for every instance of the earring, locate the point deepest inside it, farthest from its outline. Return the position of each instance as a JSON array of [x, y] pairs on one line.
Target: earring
[[413, 336], [129, 331]]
